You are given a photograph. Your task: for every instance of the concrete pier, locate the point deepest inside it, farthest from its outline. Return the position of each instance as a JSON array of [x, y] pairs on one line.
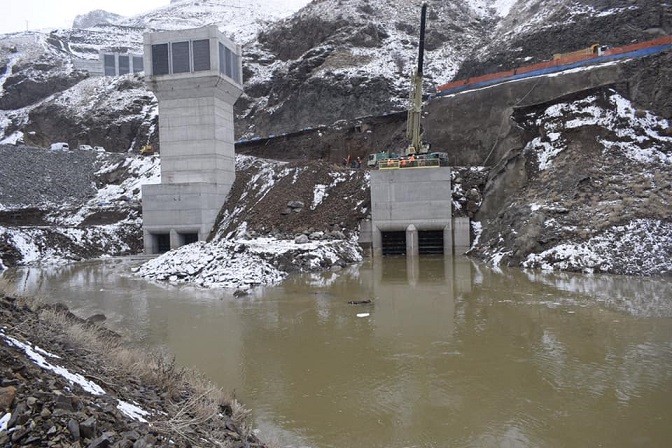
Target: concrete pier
[[196, 76]]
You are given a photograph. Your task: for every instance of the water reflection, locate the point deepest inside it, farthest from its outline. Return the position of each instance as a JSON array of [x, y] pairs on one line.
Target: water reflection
[[451, 353]]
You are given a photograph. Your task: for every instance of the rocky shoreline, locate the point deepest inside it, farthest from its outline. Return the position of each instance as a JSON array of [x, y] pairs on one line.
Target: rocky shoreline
[[67, 382]]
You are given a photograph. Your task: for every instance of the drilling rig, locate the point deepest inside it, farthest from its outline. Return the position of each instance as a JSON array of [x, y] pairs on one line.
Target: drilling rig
[[415, 111]]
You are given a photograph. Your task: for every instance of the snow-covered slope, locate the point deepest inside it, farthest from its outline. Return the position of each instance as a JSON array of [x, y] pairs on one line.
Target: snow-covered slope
[[594, 194], [238, 19], [279, 218], [533, 30], [59, 207], [339, 59]]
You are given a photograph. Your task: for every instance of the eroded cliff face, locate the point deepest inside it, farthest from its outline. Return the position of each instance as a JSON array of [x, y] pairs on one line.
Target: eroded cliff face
[[589, 190]]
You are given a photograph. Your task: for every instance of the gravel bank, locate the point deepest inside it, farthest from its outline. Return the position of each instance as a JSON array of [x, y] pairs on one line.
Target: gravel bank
[[66, 382], [33, 177]]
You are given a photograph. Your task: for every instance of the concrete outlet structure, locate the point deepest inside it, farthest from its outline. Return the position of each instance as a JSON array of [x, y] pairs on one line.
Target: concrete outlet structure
[[197, 77], [411, 211]]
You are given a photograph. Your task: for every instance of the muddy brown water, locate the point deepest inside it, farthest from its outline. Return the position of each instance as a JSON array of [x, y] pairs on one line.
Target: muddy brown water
[[449, 353]]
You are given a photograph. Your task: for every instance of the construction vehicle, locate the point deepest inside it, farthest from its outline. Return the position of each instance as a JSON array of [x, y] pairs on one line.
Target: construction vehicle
[[415, 111], [375, 159], [386, 159]]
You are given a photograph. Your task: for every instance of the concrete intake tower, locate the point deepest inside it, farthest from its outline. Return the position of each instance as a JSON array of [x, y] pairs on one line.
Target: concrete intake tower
[[197, 77]]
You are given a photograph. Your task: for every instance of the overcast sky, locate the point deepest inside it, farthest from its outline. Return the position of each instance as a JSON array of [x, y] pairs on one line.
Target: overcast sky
[[19, 15]]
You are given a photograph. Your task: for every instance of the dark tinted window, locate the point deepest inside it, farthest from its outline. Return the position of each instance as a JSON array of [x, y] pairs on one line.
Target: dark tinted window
[[124, 65], [235, 61], [222, 58], [201, 55], [180, 57], [229, 63], [138, 64], [109, 65], [160, 59]]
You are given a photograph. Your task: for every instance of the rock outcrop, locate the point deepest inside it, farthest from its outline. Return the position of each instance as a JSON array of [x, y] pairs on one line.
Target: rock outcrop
[[97, 17]]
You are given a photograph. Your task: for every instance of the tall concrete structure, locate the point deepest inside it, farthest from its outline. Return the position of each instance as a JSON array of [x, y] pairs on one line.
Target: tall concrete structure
[[411, 211], [197, 77]]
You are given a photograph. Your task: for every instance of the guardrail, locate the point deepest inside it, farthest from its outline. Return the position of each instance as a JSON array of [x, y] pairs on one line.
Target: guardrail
[[395, 164]]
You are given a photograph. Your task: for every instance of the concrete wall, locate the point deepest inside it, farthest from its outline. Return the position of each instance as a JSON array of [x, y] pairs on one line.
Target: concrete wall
[[411, 199]]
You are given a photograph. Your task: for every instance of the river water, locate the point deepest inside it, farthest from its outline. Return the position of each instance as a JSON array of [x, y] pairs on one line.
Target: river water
[[449, 353]]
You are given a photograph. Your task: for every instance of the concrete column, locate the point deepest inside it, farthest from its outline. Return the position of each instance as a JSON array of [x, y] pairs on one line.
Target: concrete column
[[412, 246], [412, 269], [448, 240], [461, 234], [377, 237], [148, 242], [174, 239]]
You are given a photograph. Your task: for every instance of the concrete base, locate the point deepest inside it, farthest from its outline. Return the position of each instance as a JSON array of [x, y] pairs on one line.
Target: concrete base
[[411, 200], [180, 210]]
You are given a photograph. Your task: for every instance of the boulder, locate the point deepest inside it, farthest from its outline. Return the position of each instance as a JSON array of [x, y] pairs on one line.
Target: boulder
[[7, 395]]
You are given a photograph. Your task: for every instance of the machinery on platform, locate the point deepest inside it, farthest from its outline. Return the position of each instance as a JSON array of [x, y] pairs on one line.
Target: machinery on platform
[[415, 111]]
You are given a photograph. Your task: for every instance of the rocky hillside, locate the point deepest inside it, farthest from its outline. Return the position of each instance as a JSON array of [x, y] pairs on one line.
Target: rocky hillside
[[589, 191], [71, 382], [63, 206], [534, 30], [332, 60]]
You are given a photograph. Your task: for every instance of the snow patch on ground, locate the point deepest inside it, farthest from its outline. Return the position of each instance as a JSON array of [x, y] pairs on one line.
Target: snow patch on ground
[[636, 134], [245, 263], [643, 246], [319, 195], [477, 228], [35, 355], [132, 411], [40, 361]]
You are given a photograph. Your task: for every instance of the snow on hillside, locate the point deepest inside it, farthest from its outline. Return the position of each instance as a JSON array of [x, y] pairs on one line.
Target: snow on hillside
[[639, 135], [238, 19], [595, 194], [87, 43], [104, 225], [486, 7], [644, 244], [243, 263]]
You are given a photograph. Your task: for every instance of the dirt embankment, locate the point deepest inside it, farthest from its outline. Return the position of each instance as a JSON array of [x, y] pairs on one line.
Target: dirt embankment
[[67, 382], [354, 138]]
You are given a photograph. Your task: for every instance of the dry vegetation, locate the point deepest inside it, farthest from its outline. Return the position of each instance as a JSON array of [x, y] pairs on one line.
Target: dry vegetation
[[185, 406]]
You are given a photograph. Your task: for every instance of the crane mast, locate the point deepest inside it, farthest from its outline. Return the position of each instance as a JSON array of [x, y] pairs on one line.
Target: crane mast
[[415, 111]]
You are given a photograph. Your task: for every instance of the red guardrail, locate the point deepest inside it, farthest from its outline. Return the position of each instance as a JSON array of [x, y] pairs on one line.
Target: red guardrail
[[568, 59]]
